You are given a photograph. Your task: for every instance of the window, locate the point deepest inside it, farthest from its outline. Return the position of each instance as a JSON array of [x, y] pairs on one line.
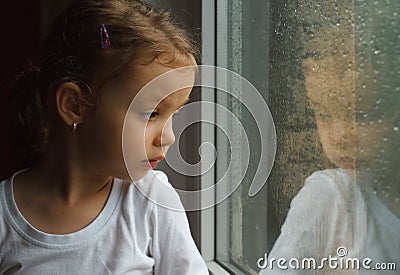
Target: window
[[317, 64], [242, 46]]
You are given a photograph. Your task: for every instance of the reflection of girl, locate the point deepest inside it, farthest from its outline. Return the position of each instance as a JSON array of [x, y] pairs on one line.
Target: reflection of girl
[[332, 210], [76, 210]]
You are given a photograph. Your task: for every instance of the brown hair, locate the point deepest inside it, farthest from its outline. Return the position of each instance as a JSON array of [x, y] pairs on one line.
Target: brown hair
[[72, 52]]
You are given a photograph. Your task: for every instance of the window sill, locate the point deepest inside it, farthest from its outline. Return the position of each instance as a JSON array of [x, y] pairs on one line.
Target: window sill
[[215, 269]]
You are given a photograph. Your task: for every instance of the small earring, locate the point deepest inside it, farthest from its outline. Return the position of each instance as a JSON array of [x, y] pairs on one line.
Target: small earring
[[73, 127]]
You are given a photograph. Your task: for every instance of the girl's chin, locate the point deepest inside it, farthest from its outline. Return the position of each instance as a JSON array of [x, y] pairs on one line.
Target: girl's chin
[[344, 160], [135, 174], [346, 163]]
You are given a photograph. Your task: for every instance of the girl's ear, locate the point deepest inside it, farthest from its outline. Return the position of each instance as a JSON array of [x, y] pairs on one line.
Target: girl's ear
[[68, 98]]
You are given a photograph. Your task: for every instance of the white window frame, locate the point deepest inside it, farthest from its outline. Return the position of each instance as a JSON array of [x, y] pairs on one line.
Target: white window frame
[[208, 224]]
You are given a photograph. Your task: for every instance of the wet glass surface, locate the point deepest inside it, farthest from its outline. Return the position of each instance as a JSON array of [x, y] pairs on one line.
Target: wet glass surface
[[329, 71]]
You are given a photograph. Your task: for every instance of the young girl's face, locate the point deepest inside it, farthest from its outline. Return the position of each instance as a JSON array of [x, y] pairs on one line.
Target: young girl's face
[[330, 88], [113, 137], [349, 140]]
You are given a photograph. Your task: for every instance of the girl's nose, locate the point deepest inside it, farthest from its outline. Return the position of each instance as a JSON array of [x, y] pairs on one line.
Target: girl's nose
[[166, 136]]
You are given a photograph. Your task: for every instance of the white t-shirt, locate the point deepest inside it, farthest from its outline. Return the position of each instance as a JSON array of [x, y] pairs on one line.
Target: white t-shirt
[[131, 235], [332, 211]]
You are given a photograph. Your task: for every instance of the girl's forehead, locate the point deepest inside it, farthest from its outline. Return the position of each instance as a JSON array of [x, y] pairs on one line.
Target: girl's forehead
[[156, 81], [151, 100]]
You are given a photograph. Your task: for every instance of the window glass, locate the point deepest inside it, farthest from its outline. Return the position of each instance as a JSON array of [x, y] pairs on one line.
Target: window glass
[[242, 46], [329, 71], [377, 48]]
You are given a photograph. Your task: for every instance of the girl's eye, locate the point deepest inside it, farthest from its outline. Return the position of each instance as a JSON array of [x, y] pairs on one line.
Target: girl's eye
[[149, 115]]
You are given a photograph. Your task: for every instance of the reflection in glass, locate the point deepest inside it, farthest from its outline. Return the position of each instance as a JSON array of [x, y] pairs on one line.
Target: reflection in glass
[[329, 71], [351, 78]]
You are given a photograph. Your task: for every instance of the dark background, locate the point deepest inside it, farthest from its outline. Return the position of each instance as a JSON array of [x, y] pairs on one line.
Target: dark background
[[20, 24]]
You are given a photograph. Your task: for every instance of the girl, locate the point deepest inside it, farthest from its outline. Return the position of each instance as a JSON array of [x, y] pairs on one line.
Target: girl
[[75, 210]]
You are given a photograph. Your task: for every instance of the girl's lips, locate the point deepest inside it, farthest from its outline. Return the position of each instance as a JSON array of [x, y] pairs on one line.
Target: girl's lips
[[152, 163], [158, 158]]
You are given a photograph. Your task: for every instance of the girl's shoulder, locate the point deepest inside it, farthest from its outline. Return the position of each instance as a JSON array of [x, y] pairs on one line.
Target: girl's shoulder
[[328, 190], [4, 200], [157, 190], [331, 181], [5, 189]]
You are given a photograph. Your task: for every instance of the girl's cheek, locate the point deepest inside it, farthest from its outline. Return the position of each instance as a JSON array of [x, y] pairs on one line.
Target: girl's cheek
[[134, 127], [133, 139]]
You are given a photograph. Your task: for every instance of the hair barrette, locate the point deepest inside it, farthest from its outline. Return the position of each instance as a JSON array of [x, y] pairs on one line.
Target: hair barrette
[[104, 37]]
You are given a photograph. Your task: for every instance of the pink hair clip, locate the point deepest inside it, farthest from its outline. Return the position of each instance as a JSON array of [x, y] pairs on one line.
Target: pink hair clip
[[104, 37]]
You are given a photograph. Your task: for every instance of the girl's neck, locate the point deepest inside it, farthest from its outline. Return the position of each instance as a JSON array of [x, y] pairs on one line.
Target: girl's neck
[[59, 194], [67, 179]]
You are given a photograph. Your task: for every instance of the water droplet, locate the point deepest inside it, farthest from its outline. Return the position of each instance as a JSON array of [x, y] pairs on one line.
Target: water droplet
[[377, 52], [395, 128]]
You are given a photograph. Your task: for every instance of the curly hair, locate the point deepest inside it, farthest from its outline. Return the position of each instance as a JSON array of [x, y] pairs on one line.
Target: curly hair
[[72, 52]]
